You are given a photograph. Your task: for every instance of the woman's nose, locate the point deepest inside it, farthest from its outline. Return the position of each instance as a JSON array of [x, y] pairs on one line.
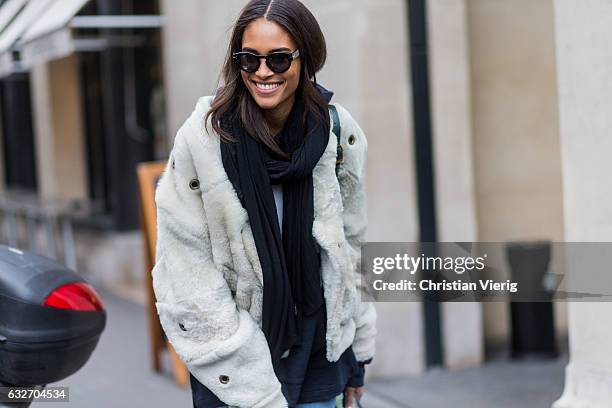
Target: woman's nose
[[264, 71]]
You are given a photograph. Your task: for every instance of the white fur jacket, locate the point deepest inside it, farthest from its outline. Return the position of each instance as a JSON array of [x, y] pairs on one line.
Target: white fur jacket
[[207, 277]]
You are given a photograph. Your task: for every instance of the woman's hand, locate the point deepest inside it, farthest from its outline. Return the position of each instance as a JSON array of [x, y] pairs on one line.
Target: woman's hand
[[349, 393]]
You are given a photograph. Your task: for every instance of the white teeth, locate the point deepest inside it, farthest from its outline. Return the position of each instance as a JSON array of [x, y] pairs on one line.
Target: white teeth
[[267, 86]]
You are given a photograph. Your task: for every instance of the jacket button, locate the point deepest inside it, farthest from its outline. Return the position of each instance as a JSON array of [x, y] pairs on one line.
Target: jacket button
[[223, 379], [182, 326], [351, 139], [194, 184]]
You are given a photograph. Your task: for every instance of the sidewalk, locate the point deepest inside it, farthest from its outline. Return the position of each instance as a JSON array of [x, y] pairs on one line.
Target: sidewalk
[[503, 384], [119, 375]]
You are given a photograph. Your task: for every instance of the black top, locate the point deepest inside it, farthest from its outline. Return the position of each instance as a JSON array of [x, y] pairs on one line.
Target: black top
[[305, 375]]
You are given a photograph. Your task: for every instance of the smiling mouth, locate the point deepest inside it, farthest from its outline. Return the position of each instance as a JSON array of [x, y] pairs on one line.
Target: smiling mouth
[[267, 86]]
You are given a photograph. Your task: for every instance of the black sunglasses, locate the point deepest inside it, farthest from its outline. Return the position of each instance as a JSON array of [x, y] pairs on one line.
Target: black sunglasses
[[278, 62]]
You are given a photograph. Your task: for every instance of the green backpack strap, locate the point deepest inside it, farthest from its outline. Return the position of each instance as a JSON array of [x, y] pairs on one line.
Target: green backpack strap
[[333, 112]]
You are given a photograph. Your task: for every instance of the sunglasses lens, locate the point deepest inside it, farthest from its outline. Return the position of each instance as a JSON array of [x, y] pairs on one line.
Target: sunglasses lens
[[279, 62], [248, 62]]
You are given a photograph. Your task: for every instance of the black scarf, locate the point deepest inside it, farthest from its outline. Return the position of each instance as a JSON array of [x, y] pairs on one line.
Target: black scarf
[[290, 263]]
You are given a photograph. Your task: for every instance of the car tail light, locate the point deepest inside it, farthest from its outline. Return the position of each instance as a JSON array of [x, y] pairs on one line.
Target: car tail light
[[75, 296]]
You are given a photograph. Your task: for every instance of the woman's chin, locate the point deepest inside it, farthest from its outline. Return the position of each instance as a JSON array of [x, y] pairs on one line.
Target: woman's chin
[[267, 103]]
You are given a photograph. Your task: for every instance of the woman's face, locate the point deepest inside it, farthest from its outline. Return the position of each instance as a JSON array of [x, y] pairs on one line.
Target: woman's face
[[263, 37]]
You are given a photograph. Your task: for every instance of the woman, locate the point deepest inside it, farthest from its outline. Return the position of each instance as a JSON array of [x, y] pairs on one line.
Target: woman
[[258, 242]]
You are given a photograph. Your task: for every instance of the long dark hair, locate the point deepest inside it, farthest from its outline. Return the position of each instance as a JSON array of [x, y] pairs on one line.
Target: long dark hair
[[233, 95]]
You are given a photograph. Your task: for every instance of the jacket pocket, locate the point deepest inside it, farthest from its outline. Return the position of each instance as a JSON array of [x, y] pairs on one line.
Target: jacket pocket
[[180, 318], [193, 324]]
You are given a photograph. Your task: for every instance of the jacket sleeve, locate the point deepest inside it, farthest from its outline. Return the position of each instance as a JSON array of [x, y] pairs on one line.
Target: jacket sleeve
[[351, 176], [220, 344]]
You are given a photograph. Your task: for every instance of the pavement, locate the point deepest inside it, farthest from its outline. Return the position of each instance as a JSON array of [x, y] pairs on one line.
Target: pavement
[[119, 374], [500, 384]]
